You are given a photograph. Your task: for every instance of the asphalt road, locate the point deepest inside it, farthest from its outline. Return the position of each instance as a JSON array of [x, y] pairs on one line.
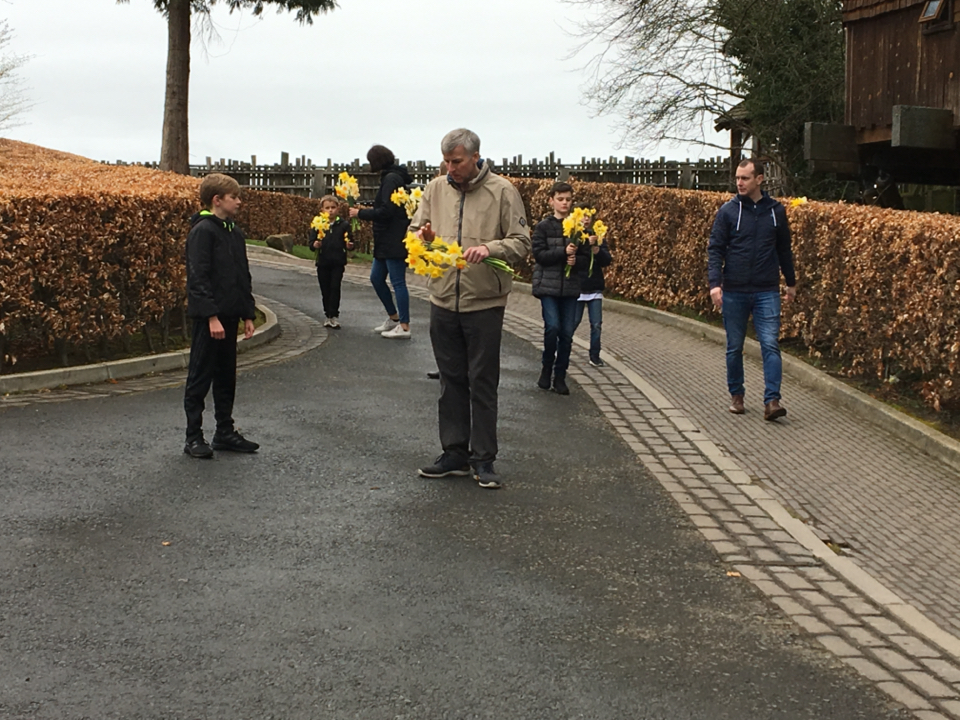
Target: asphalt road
[[321, 578]]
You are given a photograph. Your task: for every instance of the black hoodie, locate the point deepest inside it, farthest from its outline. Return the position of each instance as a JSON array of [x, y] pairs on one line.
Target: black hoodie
[[390, 221], [218, 276], [333, 247]]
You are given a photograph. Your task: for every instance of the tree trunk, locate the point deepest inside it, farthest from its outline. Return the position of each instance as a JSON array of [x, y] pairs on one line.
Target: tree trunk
[[165, 329], [146, 336], [174, 153]]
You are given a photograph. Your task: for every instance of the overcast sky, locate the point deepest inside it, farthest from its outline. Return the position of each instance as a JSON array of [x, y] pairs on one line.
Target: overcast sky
[[397, 72]]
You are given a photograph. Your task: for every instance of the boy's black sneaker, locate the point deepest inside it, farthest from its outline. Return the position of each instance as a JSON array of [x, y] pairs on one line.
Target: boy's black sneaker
[[560, 386], [234, 442], [544, 382], [446, 465], [597, 362], [486, 476], [198, 449]]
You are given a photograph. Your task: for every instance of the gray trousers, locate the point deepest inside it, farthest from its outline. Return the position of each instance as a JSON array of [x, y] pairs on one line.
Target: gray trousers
[[467, 349]]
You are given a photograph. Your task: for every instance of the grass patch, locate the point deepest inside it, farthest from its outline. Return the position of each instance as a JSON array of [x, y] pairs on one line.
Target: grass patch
[[300, 251]]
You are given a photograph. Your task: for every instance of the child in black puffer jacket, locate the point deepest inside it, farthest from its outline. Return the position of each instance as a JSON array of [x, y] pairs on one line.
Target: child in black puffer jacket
[[557, 291]]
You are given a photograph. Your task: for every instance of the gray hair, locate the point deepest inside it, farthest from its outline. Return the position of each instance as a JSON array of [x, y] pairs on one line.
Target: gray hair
[[461, 136]]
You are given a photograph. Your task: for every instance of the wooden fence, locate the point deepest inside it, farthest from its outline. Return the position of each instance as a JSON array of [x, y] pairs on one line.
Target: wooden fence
[[303, 177]]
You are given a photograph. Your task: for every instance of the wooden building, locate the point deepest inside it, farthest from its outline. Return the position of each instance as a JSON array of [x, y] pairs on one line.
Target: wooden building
[[902, 93]]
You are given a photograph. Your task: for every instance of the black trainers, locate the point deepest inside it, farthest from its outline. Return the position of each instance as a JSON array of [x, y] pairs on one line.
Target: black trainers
[[198, 449], [560, 385], [544, 382], [446, 465], [486, 476], [234, 442], [597, 362]]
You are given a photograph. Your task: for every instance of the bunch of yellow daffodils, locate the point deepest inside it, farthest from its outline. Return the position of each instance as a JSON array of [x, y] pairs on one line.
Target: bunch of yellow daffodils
[[409, 201], [436, 258], [347, 188], [321, 223], [575, 228]]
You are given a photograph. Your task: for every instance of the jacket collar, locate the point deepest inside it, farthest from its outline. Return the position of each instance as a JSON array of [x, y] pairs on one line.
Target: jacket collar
[[481, 177], [764, 199], [227, 224]]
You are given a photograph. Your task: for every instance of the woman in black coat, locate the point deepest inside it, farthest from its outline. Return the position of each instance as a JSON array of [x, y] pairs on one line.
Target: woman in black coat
[[389, 253]]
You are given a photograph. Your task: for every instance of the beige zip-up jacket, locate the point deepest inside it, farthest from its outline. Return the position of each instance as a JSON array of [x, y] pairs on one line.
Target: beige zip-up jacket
[[489, 213]]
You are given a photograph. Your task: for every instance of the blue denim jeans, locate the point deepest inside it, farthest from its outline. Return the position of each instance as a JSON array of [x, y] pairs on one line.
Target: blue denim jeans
[[397, 269], [765, 308], [595, 313], [558, 326]]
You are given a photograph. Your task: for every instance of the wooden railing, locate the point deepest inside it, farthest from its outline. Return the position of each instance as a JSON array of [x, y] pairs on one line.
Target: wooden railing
[[303, 177]]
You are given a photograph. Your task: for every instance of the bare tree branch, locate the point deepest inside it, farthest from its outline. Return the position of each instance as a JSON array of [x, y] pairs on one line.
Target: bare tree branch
[[660, 66], [13, 99]]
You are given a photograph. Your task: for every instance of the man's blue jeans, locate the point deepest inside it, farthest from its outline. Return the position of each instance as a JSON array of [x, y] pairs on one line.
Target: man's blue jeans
[[595, 313], [397, 269], [765, 308], [559, 314]]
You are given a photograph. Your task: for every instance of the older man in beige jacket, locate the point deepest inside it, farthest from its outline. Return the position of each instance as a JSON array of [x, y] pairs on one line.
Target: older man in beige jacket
[[485, 215]]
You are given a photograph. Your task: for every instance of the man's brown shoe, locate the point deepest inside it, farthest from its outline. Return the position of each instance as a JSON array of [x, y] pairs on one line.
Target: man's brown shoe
[[773, 410], [736, 404]]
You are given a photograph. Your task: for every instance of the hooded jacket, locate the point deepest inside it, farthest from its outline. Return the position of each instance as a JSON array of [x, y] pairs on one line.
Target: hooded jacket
[[389, 220], [750, 245], [333, 247], [593, 282], [490, 212], [549, 247], [218, 276]]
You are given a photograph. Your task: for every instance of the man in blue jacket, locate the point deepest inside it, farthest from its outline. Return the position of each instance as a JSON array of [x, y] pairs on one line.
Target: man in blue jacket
[[749, 247]]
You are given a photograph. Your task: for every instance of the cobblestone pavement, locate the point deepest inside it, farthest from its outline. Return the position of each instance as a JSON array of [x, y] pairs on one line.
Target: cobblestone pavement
[[767, 496]]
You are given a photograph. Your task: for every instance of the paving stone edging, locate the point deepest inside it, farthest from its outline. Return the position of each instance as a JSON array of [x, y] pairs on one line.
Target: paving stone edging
[[851, 614], [130, 367]]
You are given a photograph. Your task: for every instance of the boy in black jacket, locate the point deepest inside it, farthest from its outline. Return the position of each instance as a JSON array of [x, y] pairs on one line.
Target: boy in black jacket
[[219, 295], [557, 291], [591, 297], [332, 259]]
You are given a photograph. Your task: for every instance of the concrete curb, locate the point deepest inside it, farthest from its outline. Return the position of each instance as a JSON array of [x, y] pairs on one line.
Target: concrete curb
[[131, 367], [930, 441]]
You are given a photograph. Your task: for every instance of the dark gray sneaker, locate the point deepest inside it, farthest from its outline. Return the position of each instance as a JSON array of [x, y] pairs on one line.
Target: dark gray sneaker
[[560, 385], [446, 465], [486, 476], [198, 449], [234, 442], [544, 381]]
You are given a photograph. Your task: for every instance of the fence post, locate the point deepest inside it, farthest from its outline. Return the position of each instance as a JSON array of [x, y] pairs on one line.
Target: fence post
[[319, 183]]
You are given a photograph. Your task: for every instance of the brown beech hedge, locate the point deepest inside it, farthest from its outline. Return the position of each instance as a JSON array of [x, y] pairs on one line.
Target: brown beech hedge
[[877, 289], [90, 253]]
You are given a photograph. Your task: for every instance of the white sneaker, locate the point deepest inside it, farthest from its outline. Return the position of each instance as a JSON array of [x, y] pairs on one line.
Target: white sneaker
[[334, 323], [386, 325], [397, 333], [326, 323]]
